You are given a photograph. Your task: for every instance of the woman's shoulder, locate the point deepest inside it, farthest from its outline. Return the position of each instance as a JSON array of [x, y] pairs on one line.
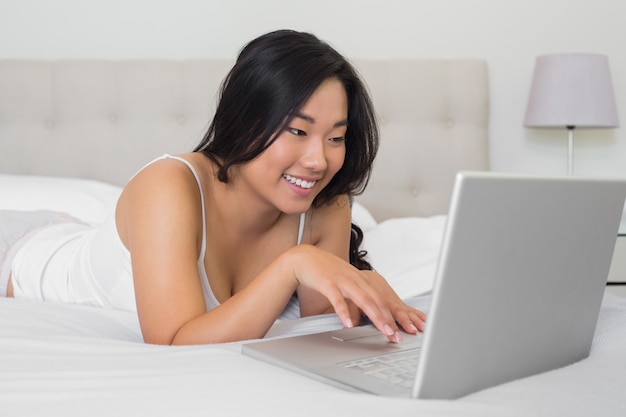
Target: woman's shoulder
[[168, 173], [329, 218], [165, 182], [162, 195]]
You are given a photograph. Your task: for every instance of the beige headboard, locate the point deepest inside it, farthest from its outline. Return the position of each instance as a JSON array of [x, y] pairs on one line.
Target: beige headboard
[[106, 119]]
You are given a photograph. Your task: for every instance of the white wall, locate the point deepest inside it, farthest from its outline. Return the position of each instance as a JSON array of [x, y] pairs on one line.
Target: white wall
[[509, 34]]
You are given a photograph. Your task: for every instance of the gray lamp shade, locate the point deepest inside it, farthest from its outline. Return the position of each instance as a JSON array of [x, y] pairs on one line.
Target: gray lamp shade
[[571, 90]]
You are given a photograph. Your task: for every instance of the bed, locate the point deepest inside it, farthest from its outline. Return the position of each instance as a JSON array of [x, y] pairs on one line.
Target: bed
[[72, 132]]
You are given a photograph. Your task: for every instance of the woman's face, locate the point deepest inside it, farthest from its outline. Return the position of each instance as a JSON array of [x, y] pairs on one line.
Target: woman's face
[[306, 154]]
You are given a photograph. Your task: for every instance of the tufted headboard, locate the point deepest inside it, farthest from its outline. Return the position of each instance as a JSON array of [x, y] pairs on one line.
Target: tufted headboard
[[433, 118], [105, 119]]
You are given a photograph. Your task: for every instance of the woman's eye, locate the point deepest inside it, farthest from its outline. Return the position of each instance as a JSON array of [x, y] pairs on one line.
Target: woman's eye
[[338, 139], [296, 132]]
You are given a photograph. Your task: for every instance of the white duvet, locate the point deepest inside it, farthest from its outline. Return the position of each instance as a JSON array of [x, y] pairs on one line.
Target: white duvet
[[64, 360]]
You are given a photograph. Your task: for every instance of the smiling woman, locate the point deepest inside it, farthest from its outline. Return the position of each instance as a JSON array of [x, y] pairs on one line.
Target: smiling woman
[[254, 224]]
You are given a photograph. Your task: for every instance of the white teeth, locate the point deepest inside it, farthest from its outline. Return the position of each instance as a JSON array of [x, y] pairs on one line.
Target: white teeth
[[299, 182]]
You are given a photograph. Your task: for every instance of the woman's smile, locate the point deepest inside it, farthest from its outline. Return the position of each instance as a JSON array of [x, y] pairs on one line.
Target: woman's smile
[[299, 182]]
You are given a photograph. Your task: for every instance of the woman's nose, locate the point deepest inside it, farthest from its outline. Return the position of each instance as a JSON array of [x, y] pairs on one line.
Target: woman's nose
[[315, 156]]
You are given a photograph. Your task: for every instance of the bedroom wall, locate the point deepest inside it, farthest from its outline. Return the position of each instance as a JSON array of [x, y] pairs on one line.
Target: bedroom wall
[[508, 34]]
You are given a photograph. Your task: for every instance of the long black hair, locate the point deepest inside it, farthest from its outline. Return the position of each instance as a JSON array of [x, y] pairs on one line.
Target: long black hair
[[273, 77]]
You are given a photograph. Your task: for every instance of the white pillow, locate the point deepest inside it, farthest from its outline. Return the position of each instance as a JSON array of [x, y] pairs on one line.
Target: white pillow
[[362, 217], [405, 251], [88, 200]]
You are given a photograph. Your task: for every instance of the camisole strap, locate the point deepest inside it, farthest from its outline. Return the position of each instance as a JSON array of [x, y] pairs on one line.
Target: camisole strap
[[301, 227]]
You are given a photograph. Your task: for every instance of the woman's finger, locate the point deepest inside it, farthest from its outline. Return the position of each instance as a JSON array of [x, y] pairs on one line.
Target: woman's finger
[[411, 320], [406, 322], [381, 318], [341, 308]]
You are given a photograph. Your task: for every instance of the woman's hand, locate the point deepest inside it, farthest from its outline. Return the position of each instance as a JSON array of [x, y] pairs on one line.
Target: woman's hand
[[339, 281], [410, 319]]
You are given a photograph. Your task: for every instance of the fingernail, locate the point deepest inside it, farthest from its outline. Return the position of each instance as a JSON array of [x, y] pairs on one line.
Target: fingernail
[[397, 337], [413, 327], [349, 324], [388, 330]]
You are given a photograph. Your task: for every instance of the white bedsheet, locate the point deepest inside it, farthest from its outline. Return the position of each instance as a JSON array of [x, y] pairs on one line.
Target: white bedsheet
[[60, 360]]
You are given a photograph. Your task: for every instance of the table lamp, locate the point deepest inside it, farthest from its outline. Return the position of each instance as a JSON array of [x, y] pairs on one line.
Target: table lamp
[[571, 90]]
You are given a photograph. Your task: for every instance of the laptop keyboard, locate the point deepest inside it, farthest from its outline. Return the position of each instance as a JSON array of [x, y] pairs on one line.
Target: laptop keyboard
[[397, 368]]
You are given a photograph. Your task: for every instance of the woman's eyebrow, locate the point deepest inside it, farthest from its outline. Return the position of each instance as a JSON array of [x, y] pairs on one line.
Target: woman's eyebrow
[[343, 122]]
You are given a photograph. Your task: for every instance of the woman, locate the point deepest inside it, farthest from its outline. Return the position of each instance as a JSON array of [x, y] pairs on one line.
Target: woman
[[212, 245]]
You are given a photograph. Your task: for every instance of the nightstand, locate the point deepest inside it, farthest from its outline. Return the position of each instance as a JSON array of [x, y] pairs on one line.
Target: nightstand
[[616, 282]]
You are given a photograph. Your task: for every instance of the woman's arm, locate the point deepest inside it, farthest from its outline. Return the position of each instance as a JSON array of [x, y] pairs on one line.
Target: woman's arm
[[250, 313], [332, 234]]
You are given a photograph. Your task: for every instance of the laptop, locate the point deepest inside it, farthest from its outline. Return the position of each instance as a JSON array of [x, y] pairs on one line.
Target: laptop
[[518, 288]]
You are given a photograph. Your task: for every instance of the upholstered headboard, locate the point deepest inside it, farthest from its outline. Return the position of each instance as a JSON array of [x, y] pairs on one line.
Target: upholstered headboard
[[105, 119], [433, 118]]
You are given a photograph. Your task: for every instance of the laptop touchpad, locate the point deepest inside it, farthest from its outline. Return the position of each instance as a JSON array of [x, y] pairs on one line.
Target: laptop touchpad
[[356, 333]]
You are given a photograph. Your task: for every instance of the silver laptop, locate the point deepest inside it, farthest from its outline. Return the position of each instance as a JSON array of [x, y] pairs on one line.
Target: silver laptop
[[518, 288]]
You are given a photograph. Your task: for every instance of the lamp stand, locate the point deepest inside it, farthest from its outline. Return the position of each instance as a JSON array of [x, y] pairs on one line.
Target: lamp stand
[[570, 150]]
